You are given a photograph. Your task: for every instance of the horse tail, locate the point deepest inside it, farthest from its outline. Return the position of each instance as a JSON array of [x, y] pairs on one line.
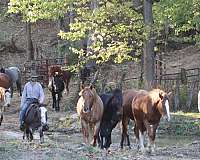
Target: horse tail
[[19, 82]]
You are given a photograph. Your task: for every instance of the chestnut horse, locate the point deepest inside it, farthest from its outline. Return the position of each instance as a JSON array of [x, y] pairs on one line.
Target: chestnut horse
[[5, 97], [147, 110], [90, 110], [5, 81], [128, 96], [65, 75]]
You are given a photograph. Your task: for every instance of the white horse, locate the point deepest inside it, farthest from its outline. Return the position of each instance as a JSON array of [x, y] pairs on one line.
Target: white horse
[[5, 98]]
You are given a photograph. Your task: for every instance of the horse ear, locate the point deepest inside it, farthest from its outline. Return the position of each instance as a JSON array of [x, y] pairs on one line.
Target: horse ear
[[82, 86], [161, 95], [169, 94], [91, 86]]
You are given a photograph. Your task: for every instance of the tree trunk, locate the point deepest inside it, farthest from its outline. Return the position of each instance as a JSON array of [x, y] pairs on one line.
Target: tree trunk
[[148, 46], [93, 5], [30, 50]]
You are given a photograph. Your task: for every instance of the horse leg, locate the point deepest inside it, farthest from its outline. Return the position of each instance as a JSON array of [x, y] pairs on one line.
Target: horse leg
[[57, 102], [54, 100], [27, 133], [31, 134], [151, 131], [1, 119], [11, 90], [85, 131], [41, 135], [102, 140], [19, 88], [24, 134], [125, 132], [108, 141], [96, 132]]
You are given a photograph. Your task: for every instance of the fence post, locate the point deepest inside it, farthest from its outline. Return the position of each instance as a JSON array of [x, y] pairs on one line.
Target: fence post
[[177, 95]]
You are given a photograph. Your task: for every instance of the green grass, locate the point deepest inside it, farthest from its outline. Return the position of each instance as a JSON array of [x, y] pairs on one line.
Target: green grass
[[182, 124]]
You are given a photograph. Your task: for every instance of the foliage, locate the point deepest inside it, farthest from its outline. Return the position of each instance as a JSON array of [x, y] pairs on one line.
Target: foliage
[[184, 124], [113, 27], [181, 16]]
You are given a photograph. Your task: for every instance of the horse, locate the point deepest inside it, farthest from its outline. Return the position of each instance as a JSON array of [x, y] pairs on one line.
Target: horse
[[86, 71], [5, 97], [65, 75], [35, 119], [90, 110], [128, 96], [5, 81], [14, 74], [147, 110], [56, 86], [113, 111]]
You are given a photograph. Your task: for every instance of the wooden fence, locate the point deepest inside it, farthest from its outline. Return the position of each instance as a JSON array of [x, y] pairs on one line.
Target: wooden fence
[[184, 86]]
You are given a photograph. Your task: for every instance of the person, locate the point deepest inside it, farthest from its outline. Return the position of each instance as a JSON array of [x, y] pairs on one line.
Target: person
[[32, 93]]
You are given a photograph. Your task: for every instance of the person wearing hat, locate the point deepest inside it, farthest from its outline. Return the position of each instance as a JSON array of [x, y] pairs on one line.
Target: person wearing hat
[[32, 93]]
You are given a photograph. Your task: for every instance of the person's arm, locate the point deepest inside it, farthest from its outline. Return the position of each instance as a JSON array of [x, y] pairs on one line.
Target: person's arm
[[24, 94], [41, 91]]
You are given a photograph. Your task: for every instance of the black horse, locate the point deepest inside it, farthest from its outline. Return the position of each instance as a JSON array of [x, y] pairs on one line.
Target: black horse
[[36, 119], [113, 112], [87, 70], [56, 86]]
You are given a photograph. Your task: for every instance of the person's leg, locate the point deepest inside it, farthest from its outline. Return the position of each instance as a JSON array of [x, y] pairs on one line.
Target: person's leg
[[23, 112]]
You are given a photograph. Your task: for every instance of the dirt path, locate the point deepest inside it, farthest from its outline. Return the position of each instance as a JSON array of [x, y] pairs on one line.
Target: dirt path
[[66, 142]]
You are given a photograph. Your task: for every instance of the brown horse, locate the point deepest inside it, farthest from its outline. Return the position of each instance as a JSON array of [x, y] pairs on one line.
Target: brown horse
[[90, 110], [5, 97], [65, 75], [5, 81], [128, 96], [147, 110]]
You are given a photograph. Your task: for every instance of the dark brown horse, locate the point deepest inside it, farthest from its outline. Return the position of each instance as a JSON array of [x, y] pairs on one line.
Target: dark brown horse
[[65, 75], [5, 81], [36, 119], [147, 110], [128, 96], [90, 110]]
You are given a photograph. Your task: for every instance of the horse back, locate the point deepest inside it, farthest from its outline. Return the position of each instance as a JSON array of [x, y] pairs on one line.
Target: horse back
[[33, 118], [144, 108]]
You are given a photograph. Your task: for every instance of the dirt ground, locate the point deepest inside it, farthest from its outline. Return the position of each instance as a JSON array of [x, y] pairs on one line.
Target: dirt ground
[[64, 141]]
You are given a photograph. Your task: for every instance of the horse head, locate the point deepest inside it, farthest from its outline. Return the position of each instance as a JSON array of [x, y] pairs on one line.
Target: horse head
[[163, 104], [89, 95], [8, 97], [56, 83], [5, 96]]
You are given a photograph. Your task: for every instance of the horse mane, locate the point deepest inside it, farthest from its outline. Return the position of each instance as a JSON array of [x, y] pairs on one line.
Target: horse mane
[[154, 95], [2, 93]]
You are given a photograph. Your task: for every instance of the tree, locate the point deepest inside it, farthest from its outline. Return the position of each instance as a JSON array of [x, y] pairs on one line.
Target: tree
[[116, 31], [149, 45]]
